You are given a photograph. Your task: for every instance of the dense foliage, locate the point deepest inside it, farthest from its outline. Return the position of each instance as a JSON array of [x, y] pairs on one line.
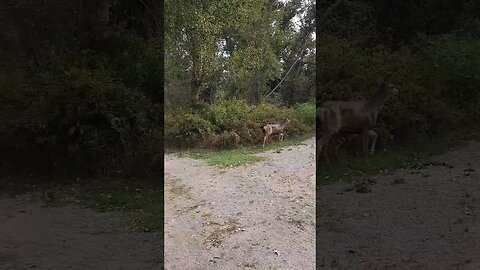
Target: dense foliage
[[82, 82], [81, 87], [221, 72], [429, 49], [239, 49], [233, 123]]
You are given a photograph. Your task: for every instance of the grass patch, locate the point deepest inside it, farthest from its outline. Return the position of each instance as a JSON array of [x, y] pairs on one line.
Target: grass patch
[[143, 204], [140, 201], [413, 156], [227, 158], [241, 156]]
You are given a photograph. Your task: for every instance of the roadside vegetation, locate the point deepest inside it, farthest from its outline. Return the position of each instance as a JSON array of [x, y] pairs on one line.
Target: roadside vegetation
[[432, 60]]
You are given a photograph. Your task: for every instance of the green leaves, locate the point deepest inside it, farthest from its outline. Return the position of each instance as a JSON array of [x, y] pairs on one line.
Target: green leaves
[[193, 33], [220, 43], [231, 123]]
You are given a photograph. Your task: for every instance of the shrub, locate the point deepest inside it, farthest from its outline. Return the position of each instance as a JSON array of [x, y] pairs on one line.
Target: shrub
[[227, 139], [80, 121], [306, 112], [232, 123], [438, 82], [188, 129]]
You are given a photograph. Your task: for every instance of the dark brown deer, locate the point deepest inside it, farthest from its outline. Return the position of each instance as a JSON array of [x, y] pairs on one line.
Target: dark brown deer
[[274, 129], [354, 117]]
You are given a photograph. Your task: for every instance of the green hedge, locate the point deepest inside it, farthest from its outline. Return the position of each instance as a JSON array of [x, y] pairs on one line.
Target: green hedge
[[233, 123]]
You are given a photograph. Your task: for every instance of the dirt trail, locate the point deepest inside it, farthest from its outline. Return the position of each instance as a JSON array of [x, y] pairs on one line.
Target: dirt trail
[[260, 216], [411, 219], [34, 236]]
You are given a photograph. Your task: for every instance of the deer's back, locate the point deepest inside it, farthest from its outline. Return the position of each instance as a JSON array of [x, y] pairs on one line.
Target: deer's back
[[273, 128], [352, 116]]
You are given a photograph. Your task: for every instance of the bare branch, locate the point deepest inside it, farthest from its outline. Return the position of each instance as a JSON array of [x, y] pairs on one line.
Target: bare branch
[[152, 14]]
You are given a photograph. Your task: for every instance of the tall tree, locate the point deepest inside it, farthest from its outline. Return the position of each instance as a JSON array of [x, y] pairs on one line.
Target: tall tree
[[193, 30], [256, 60]]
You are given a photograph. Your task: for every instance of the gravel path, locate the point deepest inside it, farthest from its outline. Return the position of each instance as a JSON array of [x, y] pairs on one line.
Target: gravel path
[[260, 216], [33, 236], [411, 219]]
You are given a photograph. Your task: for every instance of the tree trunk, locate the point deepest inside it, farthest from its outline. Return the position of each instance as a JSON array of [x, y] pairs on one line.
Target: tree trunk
[[195, 87], [254, 91], [290, 97]]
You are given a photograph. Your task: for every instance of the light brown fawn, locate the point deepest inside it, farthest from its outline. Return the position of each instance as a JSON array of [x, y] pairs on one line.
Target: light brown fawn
[[273, 129]]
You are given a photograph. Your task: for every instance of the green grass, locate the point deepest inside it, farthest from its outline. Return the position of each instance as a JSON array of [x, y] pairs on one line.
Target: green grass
[[227, 158], [412, 156], [140, 201], [241, 156]]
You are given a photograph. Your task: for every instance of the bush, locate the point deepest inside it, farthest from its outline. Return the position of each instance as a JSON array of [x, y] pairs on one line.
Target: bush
[[188, 129], [232, 123], [438, 82], [76, 98], [80, 121], [306, 112]]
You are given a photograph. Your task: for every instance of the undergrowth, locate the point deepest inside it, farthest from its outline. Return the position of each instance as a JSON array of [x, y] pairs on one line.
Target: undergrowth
[[409, 156], [229, 124]]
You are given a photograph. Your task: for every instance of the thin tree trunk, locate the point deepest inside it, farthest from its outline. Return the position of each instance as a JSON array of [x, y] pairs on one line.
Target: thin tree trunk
[[254, 93], [195, 87]]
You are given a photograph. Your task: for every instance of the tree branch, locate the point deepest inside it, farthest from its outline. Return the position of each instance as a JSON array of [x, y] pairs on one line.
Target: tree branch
[[152, 14]]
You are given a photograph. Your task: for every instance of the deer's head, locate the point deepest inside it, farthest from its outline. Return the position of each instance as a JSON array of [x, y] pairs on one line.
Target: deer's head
[[285, 121]]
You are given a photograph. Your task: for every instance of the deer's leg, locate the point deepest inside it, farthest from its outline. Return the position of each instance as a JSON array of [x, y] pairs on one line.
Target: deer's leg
[[365, 144], [325, 154], [281, 137], [321, 146], [342, 140], [374, 137], [322, 149], [332, 147], [358, 148], [319, 149], [264, 140], [323, 141]]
